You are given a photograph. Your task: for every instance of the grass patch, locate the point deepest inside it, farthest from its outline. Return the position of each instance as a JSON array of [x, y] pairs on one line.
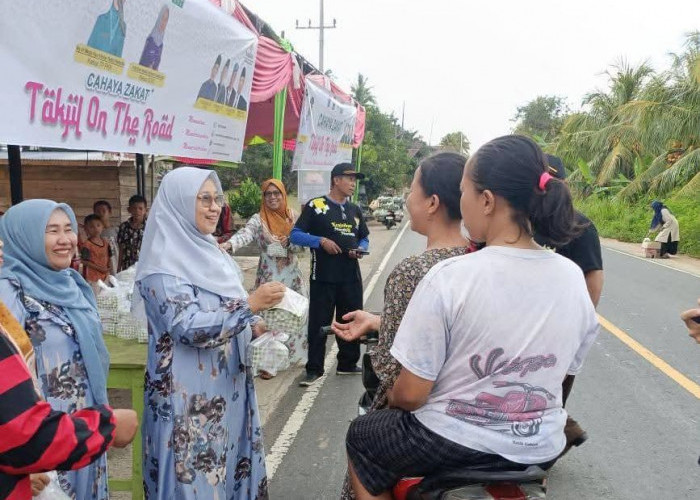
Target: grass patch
[[629, 222]]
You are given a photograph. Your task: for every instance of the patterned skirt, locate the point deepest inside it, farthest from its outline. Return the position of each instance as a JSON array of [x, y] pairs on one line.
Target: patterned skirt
[[387, 445]]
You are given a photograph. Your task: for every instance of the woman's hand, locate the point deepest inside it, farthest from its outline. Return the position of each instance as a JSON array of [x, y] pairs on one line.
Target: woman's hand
[[693, 327], [259, 328], [225, 246], [284, 241], [39, 482], [359, 323], [127, 423], [266, 296]]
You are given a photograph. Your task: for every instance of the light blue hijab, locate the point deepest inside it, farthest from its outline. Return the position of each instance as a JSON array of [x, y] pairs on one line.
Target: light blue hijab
[[23, 229]]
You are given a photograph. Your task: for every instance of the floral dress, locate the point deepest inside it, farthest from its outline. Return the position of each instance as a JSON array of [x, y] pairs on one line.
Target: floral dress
[[283, 269], [62, 377], [201, 429], [399, 288]]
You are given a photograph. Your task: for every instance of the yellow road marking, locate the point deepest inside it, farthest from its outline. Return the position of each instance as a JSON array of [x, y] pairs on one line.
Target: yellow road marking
[[652, 358]]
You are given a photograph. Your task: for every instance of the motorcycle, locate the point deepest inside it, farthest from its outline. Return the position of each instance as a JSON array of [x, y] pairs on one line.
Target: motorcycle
[[390, 219], [493, 482]]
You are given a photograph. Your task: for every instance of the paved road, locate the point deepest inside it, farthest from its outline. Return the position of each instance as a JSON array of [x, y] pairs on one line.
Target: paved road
[[645, 436]]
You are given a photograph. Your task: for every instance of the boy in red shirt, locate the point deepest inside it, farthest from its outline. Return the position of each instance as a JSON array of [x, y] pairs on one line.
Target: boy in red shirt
[[95, 251]]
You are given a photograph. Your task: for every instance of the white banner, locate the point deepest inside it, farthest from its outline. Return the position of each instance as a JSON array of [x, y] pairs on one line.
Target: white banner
[[140, 76], [312, 184], [326, 130]]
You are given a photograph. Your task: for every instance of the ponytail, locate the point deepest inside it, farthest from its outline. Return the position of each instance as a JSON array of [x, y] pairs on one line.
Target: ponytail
[[514, 168]]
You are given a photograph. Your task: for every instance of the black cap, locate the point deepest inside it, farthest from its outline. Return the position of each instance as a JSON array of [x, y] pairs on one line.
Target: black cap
[[556, 167], [346, 169]]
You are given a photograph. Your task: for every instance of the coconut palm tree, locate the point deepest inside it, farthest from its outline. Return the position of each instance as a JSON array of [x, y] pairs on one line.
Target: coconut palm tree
[[601, 135], [362, 92]]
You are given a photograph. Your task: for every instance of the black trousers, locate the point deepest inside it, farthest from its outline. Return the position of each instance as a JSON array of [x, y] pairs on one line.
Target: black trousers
[[325, 298]]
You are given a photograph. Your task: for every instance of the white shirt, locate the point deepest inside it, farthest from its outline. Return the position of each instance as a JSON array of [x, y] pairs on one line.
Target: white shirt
[[497, 331]]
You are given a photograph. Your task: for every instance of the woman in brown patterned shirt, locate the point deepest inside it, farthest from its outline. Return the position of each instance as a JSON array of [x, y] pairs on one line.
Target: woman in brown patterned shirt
[[433, 205]]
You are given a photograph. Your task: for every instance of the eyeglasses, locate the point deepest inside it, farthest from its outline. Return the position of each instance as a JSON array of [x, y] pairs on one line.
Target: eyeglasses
[[273, 194], [208, 199]]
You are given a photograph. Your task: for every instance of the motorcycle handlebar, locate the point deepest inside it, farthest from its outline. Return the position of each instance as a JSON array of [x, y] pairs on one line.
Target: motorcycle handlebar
[[369, 339]]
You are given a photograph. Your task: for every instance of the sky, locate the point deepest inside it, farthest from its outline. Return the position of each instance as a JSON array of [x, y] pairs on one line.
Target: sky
[[468, 65]]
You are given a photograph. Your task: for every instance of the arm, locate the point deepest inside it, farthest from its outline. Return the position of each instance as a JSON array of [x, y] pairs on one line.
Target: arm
[[364, 244], [188, 322], [121, 245], [85, 257], [301, 232], [594, 283], [410, 391], [10, 296], [363, 232], [247, 234], [300, 238], [37, 438], [693, 327], [420, 346]]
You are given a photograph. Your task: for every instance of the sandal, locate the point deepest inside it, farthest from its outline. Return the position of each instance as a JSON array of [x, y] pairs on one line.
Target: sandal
[[265, 375]]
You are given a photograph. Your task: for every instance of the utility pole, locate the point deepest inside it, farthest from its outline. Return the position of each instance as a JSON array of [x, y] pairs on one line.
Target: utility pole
[[321, 28]]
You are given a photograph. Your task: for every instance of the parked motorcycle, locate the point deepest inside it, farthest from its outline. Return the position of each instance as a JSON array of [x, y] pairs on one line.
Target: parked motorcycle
[[493, 482], [390, 219]]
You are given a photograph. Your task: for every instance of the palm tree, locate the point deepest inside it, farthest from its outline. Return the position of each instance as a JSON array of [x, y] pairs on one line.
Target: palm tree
[[667, 116], [601, 134], [362, 92]]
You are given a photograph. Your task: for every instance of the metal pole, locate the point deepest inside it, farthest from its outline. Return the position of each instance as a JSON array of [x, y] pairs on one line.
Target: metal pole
[[358, 164], [321, 34], [320, 41], [278, 133], [14, 160], [139, 178]]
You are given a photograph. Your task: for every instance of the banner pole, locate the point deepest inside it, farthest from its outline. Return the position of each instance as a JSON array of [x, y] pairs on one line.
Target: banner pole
[[14, 160], [278, 133], [358, 162]]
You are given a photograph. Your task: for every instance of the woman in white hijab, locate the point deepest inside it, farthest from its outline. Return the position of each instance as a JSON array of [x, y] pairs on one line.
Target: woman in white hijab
[[201, 432]]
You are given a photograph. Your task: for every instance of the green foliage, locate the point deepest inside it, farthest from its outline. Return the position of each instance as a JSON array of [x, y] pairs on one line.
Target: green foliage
[[542, 117], [386, 154], [625, 221], [457, 142], [245, 201], [362, 91]]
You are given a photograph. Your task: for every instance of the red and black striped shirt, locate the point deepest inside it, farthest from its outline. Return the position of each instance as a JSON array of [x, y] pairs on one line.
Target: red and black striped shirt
[[34, 438]]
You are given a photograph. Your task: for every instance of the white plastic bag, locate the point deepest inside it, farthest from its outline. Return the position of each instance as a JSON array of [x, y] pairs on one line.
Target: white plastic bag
[[114, 304], [269, 354], [294, 302], [52, 491]]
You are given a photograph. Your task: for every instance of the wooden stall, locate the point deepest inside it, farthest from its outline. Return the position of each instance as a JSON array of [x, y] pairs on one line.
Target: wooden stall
[[78, 178]]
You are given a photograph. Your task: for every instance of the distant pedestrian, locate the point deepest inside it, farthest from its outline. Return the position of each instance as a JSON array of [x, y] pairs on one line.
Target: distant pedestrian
[[131, 232], [666, 223]]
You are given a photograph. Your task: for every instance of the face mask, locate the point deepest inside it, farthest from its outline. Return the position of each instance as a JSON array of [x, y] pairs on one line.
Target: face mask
[[465, 232]]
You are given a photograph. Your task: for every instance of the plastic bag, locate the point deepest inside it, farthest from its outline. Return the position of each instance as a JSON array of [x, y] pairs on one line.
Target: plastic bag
[[294, 302], [52, 491], [269, 354], [114, 303]]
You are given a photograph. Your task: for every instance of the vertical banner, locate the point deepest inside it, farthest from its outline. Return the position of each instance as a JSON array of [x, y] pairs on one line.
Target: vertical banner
[[141, 76], [326, 130]]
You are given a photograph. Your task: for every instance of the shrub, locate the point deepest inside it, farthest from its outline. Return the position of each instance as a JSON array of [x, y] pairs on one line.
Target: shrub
[[245, 201], [629, 221]]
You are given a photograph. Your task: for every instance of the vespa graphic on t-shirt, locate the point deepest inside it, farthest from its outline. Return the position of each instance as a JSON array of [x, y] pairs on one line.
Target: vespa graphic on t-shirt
[[519, 411]]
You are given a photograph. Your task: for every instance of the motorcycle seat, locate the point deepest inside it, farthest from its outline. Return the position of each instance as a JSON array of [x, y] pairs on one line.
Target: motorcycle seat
[[486, 475]]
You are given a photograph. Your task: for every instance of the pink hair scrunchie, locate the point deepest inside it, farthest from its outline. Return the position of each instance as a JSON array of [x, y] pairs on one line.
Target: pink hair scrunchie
[[544, 179]]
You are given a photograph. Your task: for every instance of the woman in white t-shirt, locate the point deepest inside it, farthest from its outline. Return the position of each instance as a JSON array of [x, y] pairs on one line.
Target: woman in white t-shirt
[[487, 338]]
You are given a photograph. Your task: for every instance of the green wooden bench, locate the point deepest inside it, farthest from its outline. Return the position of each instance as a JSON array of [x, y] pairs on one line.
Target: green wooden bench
[[126, 371]]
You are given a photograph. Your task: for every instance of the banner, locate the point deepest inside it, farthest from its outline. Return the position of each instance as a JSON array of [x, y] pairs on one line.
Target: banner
[[139, 76], [326, 130], [312, 184]]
